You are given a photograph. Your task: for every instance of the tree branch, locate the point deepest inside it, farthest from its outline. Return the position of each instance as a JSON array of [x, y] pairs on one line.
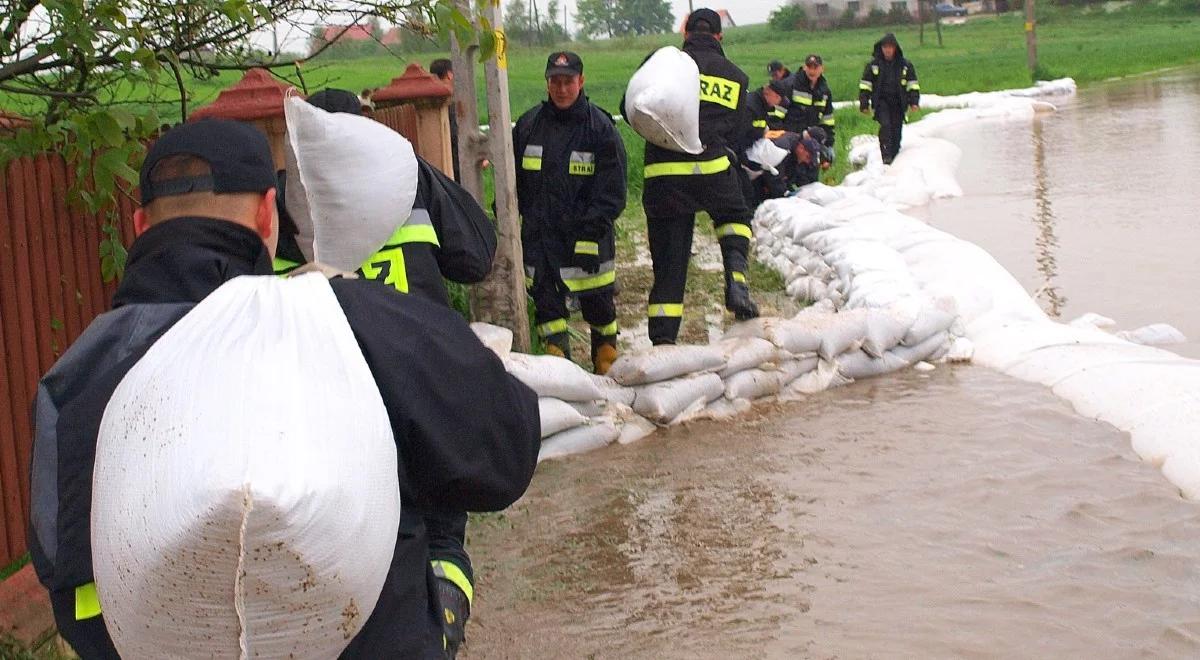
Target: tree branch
[[48, 93]]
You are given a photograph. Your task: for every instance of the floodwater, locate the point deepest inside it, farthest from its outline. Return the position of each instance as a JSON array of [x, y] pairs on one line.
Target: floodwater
[[959, 513], [1095, 208], [954, 514]]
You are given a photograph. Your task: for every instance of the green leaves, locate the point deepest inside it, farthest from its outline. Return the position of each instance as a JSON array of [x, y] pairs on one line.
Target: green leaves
[[112, 252]]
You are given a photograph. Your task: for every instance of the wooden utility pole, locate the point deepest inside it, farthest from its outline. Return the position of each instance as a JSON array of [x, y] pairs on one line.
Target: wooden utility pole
[[937, 22], [921, 20], [500, 299], [1031, 35]]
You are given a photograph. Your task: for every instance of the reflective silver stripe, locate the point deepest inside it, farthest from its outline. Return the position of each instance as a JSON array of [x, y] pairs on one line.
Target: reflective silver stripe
[[582, 163], [583, 157], [533, 150], [875, 69], [576, 273], [419, 217], [529, 271]]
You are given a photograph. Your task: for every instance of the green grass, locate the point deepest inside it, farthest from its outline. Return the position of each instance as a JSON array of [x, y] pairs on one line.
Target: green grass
[[13, 567]]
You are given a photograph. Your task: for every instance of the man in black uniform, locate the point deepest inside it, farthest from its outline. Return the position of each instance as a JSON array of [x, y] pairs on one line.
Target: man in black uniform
[[768, 105], [678, 185], [777, 71], [812, 101], [208, 215], [889, 83], [799, 168], [570, 190], [449, 236]]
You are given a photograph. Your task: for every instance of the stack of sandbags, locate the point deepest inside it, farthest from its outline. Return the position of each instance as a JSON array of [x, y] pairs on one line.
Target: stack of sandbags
[[671, 383]]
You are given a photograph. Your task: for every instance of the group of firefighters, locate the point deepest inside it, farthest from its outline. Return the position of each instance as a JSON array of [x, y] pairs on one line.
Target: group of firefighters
[[209, 189], [571, 180]]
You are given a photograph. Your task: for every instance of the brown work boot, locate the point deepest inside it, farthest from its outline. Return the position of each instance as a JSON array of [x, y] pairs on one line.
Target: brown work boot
[[558, 345], [603, 358]]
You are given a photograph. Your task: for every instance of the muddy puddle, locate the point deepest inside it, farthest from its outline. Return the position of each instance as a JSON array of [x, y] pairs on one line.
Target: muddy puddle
[[959, 513]]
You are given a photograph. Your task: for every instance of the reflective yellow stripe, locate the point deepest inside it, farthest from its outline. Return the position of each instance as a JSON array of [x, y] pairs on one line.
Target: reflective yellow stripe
[[552, 327], [606, 330], [679, 169], [760, 123], [670, 310], [866, 85], [734, 229], [528, 282], [532, 164], [803, 98], [581, 169], [87, 602], [820, 104], [913, 86], [284, 266], [738, 277], [778, 112], [388, 265], [587, 247], [875, 69], [592, 282], [829, 120], [721, 91], [450, 571], [415, 234]]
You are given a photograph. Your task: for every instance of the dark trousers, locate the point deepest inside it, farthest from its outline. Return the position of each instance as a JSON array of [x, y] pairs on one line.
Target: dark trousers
[[671, 203], [447, 540], [890, 115], [549, 296]]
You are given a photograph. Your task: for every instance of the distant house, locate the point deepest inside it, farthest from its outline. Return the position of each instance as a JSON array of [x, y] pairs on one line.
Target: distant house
[[822, 11], [393, 37], [726, 20]]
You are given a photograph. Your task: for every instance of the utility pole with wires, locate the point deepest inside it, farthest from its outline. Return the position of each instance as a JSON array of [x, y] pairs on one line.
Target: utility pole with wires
[[1031, 35]]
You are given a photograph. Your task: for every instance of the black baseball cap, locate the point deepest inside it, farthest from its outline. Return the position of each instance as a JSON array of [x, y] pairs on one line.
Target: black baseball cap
[[781, 88], [774, 66], [237, 155], [703, 14], [337, 100], [813, 60], [564, 63]]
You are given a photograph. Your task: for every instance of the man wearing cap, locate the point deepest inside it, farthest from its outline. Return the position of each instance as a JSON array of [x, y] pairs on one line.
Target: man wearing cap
[[777, 71], [798, 169], [447, 236], [812, 100], [208, 215], [889, 84], [570, 191], [678, 185], [768, 105]]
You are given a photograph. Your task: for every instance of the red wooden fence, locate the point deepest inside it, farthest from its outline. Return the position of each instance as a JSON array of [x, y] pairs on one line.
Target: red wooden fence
[[50, 289]]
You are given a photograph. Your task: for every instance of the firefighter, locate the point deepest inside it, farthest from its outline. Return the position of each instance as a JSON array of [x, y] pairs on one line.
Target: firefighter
[[448, 236], [812, 101], [777, 71], [768, 106], [570, 190], [678, 185], [467, 432], [889, 84]]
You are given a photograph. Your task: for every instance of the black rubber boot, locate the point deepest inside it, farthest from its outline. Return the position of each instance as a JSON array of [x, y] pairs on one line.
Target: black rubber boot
[[737, 300]]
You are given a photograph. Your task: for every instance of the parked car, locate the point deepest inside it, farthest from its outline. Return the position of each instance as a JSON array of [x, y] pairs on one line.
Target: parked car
[[948, 9]]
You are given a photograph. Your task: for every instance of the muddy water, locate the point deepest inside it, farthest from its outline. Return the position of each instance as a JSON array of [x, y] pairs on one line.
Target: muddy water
[[1095, 208], [952, 514]]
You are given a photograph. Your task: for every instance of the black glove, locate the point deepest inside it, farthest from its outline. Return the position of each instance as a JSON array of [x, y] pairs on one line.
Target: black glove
[[587, 256], [455, 610]]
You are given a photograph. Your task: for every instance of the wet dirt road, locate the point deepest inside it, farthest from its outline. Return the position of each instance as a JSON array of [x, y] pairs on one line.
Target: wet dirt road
[[1093, 208], [959, 513]]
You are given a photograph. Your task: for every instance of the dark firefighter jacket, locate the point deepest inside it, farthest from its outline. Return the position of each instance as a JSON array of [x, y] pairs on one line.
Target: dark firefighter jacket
[[763, 115], [570, 189], [724, 119], [467, 434], [447, 236], [895, 81], [812, 105]]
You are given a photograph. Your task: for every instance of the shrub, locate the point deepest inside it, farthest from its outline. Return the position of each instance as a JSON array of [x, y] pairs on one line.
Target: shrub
[[789, 18]]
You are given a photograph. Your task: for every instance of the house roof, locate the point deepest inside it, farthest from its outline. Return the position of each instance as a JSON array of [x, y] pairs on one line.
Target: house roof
[[346, 33]]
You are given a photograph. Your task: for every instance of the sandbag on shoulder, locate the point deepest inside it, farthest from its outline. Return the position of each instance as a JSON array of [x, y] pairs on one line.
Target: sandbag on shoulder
[[660, 363], [664, 402], [554, 377], [662, 101]]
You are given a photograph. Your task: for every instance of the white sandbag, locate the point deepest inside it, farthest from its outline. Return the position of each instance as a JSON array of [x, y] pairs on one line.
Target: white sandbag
[[747, 353], [753, 384], [930, 350], [961, 350], [499, 339], [824, 377], [578, 440], [613, 391], [723, 409], [1092, 320], [557, 416], [662, 101], [589, 408], [858, 365], [767, 154], [351, 183], [929, 322], [885, 330], [838, 332], [663, 402], [780, 332], [790, 370], [225, 498], [659, 363], [635, 428], [1158, 334], [552, 376]]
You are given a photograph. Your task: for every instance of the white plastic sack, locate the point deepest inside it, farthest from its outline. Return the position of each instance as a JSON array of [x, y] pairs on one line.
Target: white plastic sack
[[225, 498], [664, 402], [498, 339], [557, 416], [724, 409], [793, 369], [635, 428], [747, 353], [351, 182], [659, 363], [553, 376], [753, 384], [578, 440], [1158, 334], [767, 154], [662, 101]]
